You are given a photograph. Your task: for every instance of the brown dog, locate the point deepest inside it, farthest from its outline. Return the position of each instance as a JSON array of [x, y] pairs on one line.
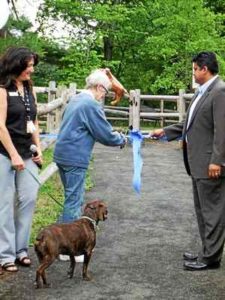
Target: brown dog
[[76, 238]]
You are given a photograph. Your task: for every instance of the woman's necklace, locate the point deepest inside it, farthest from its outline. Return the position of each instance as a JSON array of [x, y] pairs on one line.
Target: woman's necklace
[[24, 96], [20, 90]]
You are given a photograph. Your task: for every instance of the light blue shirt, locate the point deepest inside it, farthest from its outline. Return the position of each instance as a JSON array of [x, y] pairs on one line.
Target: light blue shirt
[[201, 90]]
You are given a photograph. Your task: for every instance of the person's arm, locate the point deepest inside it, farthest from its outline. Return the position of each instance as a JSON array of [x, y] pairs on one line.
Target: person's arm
[[16, 159], [172, 132], [218, 150], [36, 138], [101, 129]]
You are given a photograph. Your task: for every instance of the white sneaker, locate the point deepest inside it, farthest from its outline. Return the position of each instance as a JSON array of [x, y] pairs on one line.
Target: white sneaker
[[63, 257], [79, 259]]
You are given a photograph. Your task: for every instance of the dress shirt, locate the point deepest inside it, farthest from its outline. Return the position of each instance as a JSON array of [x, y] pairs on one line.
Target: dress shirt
[[201, 90]]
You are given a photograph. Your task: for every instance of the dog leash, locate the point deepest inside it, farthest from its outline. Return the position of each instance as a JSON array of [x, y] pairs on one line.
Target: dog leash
[[37, 180]]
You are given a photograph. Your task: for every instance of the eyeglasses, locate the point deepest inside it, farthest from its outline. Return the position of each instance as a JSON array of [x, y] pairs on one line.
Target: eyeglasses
[[105, 89]]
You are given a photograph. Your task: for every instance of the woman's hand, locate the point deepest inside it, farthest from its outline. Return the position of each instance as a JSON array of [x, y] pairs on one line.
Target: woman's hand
[[17, 162], [38, 158]]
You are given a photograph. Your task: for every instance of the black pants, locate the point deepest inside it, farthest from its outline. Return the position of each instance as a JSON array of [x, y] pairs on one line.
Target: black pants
[[209, 200]]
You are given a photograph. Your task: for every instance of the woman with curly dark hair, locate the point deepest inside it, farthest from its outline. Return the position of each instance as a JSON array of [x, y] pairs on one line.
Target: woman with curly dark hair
[[18, 131]]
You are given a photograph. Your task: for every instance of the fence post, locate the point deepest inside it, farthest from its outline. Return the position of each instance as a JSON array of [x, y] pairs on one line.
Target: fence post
[[136, 109], [181, 107], [131, 101], [162, 110], [51, 96], [72, 89], [61, 93]]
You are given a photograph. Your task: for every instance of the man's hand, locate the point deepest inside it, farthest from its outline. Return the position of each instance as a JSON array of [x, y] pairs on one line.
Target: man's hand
[[214, 171], [157, 133]]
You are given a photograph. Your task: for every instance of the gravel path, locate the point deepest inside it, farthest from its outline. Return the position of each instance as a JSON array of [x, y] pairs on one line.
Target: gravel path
[[139, 248]]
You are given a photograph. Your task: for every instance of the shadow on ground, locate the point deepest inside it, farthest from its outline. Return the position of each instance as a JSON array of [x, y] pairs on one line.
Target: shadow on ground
[[139, 248]]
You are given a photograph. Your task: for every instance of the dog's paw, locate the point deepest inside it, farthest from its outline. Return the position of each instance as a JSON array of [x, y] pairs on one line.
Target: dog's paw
[[87, 277], [37, 285], [47, 285]]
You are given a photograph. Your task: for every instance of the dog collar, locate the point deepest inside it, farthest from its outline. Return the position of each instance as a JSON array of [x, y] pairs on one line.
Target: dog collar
[[92, 221]]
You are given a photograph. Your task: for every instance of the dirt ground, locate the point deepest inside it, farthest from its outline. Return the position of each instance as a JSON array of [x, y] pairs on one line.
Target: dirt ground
[[139, 248]]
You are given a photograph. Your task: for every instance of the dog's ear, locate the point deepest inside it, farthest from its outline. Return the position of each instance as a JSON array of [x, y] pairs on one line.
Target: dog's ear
[[93, 204], [89, 205], [102, 212], [102, 204]]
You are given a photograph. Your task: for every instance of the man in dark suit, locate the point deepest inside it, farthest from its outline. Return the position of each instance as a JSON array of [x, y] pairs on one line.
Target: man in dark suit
[[203, 133]]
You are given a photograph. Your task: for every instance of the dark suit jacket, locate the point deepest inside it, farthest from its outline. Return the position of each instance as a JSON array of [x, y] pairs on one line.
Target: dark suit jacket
[[206, 132]]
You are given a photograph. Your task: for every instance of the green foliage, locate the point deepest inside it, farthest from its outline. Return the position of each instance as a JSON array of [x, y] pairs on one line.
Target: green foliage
[[147, 44], [77, 64], [217, 6], [19, 34]]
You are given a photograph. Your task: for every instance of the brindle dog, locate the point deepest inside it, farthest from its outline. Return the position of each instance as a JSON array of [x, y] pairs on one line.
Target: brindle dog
[[76, 238]]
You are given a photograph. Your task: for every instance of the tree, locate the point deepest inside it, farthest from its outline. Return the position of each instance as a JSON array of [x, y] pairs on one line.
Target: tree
[[18, 31], [179, 30], [218, 7], [147, 44]]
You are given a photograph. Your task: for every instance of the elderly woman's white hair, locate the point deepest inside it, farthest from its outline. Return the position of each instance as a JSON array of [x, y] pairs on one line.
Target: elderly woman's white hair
[[98, 77]]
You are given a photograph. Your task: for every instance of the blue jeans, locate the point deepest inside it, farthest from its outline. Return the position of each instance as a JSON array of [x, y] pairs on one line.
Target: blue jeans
[[73, 180], [18, 193]]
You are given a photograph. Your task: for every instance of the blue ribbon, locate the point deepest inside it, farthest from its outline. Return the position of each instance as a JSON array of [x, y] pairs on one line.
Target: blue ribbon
[[48, 135], [136, 138]]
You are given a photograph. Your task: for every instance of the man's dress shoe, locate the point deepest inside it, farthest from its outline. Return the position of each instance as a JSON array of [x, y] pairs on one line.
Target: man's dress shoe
[[200, 266], [190, 256]]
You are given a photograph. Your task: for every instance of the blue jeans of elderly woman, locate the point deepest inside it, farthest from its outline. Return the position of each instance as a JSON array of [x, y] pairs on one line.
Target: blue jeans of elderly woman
[[73, 180]]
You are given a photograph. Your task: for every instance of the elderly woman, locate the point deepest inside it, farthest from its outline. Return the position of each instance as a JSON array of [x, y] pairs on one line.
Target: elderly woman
[[83, 124], [18, 131]]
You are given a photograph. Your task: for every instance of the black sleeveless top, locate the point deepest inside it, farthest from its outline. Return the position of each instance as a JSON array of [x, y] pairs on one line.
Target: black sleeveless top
[[16, 122]]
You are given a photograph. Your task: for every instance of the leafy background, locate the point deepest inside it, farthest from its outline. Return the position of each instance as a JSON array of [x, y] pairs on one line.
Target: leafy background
[[147, 44]]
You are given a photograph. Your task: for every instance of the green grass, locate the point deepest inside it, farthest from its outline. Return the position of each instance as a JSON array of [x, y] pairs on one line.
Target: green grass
[[47, 210]]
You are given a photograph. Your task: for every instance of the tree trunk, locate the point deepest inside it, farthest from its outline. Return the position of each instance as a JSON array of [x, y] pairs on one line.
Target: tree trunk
[[108, 48], [3, 32]]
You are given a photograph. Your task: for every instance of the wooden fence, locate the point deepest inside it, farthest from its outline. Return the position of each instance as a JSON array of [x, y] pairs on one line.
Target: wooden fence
[[136, 113], [50, 113]]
